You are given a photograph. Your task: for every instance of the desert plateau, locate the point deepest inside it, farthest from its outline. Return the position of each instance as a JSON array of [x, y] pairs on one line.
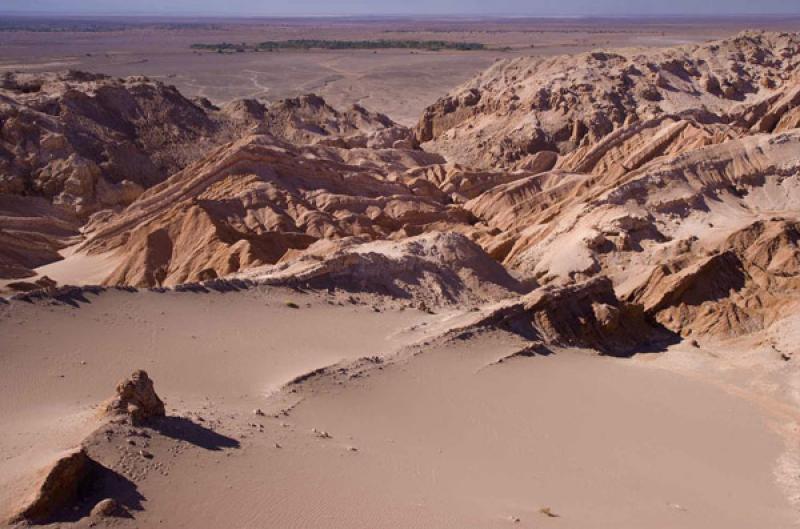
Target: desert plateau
[[400, 272]]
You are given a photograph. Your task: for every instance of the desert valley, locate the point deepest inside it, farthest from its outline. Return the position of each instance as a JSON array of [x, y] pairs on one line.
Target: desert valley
[[446, 273]]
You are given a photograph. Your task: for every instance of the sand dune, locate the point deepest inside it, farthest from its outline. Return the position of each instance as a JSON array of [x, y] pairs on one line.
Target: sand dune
[[438, 434]]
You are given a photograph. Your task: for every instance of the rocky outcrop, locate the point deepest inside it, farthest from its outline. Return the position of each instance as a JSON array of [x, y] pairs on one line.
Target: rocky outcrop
[[252, 201], [88, 143], [71, 486], [668, 177], [434, 268], [32, 232], [523, 106], [750, 281], [587, 315], [57, 488], [308, 119], [136, 399], [571, 226], [106, 508]]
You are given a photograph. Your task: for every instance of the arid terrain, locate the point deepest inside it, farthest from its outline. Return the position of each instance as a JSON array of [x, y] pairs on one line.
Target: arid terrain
[[399, 83], [549, 280]]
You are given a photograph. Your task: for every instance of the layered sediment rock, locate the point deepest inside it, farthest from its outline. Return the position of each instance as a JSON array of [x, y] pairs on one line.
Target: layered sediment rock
[[251, 202], [523, 106], [87, 143], [671, 175]]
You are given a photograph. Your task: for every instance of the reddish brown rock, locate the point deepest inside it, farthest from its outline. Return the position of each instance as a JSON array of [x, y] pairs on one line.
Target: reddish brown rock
[[57, 488], [526, 105], [136, 399]]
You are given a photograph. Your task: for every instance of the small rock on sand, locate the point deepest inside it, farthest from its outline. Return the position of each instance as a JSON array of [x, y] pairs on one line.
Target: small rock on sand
[[106, 507]]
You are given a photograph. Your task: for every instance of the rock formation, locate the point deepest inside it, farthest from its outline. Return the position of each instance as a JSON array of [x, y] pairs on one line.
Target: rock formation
[[434, 268], [520, 107], [63, 488], [747, 283], [249, 203], [136, 399], [88, 141], [57, 488], [660, 179], [586, 314], [309, 119], [32, 231], [85, 143]]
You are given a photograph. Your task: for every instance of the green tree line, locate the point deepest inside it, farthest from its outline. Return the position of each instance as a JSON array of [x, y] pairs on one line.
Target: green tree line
[[305, 44]]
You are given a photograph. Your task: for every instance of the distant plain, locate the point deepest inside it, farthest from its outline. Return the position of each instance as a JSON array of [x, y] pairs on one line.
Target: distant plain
[[399, 83]]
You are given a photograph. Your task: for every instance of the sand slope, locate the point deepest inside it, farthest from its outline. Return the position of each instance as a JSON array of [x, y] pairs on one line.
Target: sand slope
[[442, 435], [241, 347]]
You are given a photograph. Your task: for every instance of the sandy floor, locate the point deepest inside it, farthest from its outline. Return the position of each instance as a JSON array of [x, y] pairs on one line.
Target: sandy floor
[[443, 436], [74, 269], [239, 347]]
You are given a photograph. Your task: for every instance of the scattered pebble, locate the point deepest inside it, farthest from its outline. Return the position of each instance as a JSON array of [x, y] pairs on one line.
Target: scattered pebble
[[321, 433]]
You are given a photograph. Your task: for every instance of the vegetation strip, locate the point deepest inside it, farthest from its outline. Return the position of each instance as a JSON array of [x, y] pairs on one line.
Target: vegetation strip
[[305, 44]]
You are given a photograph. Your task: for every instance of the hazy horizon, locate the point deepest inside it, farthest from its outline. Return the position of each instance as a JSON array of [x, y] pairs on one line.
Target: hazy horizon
[[543, 8]]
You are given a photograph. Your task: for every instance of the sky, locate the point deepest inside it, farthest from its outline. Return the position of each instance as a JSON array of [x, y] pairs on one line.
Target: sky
[[400, 7]]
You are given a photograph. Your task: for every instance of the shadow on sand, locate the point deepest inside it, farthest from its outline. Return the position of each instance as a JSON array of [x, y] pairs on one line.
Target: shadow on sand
[[100, 483], [191, 432]]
